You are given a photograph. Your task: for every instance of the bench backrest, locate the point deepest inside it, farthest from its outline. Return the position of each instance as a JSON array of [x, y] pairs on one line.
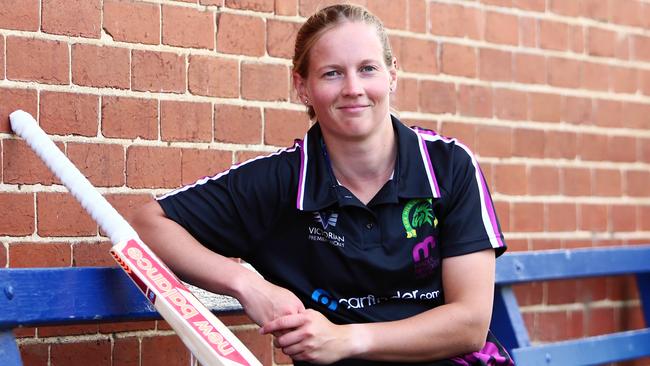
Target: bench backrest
[[523, 267]]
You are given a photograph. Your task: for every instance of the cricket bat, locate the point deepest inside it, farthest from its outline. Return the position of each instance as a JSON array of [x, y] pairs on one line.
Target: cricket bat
[[209, 340]]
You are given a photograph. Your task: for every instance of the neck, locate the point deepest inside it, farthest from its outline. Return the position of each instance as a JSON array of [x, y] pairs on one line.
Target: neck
[[364, 166]]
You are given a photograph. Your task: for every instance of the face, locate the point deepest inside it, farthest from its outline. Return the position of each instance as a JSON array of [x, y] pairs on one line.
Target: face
[[348, 82]]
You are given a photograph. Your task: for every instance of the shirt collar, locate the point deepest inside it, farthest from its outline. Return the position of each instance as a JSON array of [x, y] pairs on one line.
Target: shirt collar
[[413, 175]]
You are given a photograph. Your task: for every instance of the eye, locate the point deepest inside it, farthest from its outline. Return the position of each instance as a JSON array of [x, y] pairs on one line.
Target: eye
[[368, 69], [331, 74]]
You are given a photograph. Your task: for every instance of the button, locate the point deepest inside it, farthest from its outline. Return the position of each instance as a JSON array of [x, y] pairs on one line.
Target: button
[[369, 225]]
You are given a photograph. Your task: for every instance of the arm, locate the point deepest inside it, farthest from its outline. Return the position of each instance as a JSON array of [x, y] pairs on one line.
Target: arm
[[458, 327], [198, 265]]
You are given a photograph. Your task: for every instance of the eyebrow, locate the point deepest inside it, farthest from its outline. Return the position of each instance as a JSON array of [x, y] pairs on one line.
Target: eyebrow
[[337, 66]]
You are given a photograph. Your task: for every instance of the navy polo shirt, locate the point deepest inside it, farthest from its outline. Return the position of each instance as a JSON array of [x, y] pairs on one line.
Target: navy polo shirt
[[287, 215]]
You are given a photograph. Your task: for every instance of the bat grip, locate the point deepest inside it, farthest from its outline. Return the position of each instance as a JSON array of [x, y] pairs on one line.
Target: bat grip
[[111, 222]]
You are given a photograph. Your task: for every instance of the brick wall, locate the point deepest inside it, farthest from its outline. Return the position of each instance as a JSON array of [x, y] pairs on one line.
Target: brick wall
[[143, 96]]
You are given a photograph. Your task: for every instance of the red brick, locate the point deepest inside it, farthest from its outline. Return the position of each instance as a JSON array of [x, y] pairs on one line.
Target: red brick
[[213, 76], [13, 99], [153, 167], [595, 9], [19, 16], [528, 31], [128, 204], [406, 98], [98, 66], [576, 38], [561, 292], [644, 81], [417, 12], [560, 145], [601, 42], [256, 5], [30, 59], [185, 121], [458, 60], [59, 214], [286, 7], [393, 13], [563, 7], [641, 48], [637, 183], [644, 217], [527, 216], [501, 28], [126, 351], [197, 164], [561, 217], [264, 82], [67, 330], [463, 132], [3, 256], [211, 2], [544, 180], [124, 117], [168, 350], [577, 110], [529, 69], [281, 37], [644, 150], [132, 21], [417, 55], [96, 353], [510, 179], [608, 113], [22, 166], [545, 107], [238, 124], [474, 100], [593, 218], [241, 35], [456, 20], [503, 213], [627, 12], [187, 27], [282, 127], [494, 141], [495, 65], [26, 255], [92, 255], [564, 72], [623, 79], [35, 354], [309, 7], [623, 218], [593, 76], [528, 143], [593, 147], [437, 97], [592, 289], [72, 17], [553, 35], [531, 5], [601, 321], [607, 182], [622, 149], [102, 164], [529, 293], [20, 208], [576, 182], [157, 71], [635, 115], [127, 326], [69, 113], [552, 326], [260, 345]]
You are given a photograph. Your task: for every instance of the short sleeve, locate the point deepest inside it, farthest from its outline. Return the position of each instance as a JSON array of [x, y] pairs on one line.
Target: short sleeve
[[469, 221]]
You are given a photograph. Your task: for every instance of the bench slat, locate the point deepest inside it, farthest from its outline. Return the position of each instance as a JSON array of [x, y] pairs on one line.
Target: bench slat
[[520, 267], [587, 351], [47, 296]]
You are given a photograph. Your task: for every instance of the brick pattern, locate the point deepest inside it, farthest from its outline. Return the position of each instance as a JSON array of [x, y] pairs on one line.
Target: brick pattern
[[144, 96]]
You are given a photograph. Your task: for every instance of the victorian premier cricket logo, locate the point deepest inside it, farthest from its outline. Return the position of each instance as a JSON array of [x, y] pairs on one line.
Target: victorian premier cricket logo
[[133, 257], [417, 213]]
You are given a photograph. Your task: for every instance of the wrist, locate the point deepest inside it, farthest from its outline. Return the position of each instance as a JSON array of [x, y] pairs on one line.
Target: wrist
[[359, 340]]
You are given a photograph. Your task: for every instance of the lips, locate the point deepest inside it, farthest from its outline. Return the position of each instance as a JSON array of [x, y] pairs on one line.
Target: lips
[[353, 107]]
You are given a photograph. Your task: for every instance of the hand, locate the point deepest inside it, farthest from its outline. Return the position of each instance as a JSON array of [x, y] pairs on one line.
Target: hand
[[263, 301], [309, 336]]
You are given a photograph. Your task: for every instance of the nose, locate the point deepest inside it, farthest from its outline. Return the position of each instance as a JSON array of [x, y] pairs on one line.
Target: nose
[[352, 85]]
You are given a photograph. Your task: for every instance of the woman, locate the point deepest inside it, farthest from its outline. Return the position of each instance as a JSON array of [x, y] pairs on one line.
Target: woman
[[376, 242]]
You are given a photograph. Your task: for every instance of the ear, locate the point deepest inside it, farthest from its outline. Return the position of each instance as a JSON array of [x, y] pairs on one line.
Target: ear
[[393, 74], [300, 85]]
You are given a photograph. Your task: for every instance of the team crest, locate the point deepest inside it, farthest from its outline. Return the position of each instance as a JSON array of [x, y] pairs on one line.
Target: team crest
[[417, 213]]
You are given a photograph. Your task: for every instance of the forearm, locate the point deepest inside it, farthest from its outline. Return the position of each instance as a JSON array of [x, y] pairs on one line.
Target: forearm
[[190, 260], [440, 333]]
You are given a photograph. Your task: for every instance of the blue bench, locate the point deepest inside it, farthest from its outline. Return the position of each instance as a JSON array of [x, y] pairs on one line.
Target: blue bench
[[49, 296], [524, 267]]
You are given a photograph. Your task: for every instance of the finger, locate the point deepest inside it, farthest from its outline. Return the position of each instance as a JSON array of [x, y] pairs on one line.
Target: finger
[[284, 323]]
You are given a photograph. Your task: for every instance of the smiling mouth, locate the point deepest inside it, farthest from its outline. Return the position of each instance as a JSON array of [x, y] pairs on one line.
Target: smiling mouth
[[353, 107]]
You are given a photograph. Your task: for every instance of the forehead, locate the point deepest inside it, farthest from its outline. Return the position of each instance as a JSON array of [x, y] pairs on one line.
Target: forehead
[[347, 41]]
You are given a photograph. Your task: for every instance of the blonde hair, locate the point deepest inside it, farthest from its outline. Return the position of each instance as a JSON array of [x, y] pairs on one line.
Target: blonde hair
[[326, 19]]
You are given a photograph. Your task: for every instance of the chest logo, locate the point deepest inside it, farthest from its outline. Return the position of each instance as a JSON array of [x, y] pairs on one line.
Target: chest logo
[[326, 233], [326, 218], [417, 213]]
